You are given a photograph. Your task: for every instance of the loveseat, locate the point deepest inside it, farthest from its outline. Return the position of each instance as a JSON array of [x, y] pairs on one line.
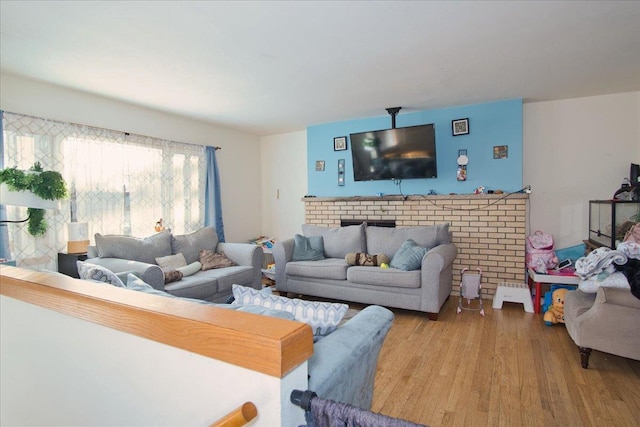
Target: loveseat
[[424, 288], [122, 254], [606, 321], [344, 361]]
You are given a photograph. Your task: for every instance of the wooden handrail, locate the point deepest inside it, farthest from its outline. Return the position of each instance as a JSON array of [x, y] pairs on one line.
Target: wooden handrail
[[238, 417], [263, 344]]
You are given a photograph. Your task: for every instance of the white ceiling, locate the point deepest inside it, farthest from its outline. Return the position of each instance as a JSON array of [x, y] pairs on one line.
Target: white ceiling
[[273, 67]]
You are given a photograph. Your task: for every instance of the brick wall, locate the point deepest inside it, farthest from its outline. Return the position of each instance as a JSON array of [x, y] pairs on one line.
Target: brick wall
[[489, 230]]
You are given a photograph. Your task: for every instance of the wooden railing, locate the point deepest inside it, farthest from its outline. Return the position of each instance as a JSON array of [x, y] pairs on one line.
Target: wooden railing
[[263, 344], [238, 417]]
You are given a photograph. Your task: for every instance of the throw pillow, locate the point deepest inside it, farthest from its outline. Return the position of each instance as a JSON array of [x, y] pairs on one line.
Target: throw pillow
[[409, 256], [190, 245], [308, 248], [211, 260], [172, 276], [359, 258], [88, 271], [171, 262], [323, 317], [190, 269]]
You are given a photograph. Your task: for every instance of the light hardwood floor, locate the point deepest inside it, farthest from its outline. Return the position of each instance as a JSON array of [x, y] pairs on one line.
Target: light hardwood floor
[[504, 369]]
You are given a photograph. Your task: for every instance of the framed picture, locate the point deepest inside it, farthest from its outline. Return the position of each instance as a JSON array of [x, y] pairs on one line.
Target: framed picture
[[500, 151], [319, 165], [460, 127], [340, 143]]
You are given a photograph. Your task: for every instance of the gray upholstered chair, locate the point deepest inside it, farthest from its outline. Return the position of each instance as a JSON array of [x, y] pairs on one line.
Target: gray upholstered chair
[[606, 321]]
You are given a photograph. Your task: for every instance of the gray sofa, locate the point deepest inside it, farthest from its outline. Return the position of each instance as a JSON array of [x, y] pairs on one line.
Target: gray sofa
[[130, 254], [425, 289], [344, 363], [606, 321]]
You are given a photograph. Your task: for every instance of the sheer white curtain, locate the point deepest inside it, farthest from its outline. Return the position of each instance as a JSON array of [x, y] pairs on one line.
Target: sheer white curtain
[[120, 183]]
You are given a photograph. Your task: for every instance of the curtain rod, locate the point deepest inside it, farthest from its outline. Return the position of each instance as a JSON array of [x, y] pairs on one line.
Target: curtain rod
[[96, 127]]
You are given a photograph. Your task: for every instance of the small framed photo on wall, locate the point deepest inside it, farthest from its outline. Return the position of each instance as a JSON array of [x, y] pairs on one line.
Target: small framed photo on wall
[[340, 143], [460, 127], [319, 165]]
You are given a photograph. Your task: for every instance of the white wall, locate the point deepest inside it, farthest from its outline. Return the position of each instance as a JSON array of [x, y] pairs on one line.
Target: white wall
[[59, 371], [576, 150], [284, 183], [239, 159]]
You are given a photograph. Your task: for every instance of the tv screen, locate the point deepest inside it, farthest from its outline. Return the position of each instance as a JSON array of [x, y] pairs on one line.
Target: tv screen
[[400, 153]]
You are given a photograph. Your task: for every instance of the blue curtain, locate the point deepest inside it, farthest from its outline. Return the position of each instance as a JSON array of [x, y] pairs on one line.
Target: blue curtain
[[4, 231], [212, 203]]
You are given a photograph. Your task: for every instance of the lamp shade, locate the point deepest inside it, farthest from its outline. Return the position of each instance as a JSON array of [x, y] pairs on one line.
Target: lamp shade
[[25, 198]]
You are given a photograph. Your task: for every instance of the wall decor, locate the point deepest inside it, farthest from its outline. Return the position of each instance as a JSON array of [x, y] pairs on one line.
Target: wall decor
[[460, 127], [500, 151], [340, 143], [341, 172], [319, 165]]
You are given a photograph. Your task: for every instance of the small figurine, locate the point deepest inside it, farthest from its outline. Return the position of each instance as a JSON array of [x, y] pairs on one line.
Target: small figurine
[[159, 227], [479, 190]]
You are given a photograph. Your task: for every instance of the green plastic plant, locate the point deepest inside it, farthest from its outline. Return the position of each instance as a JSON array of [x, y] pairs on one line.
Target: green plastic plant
[[48, 185]]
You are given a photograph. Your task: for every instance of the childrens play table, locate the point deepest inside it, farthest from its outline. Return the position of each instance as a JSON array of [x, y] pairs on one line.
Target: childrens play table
[[562, 277]]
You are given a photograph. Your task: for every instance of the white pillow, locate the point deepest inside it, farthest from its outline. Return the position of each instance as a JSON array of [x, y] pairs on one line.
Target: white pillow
[[190, 269], [171, 262], [323, 317], [88, 271]]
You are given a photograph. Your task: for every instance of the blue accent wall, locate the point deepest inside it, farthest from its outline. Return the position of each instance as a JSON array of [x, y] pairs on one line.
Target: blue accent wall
[[491, 124]]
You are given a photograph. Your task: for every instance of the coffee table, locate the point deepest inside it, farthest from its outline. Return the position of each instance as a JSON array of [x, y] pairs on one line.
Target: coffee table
[[562, 277]]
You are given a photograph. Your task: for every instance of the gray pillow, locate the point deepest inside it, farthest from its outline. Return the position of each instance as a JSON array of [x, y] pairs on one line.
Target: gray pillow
[[133, 248], [191, 244], [409, 256], [339, 241], [88, 271], [307, 248]]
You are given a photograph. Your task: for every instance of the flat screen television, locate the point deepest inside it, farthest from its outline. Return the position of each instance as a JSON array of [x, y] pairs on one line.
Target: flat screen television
[[400, 153]]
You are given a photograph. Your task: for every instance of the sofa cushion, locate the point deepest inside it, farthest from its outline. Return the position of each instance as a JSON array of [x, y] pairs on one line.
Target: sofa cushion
[[328, 268], [409, 256], [388, 240], [323, 317], [339, 241], [307, 248], [145, 249], [171, 262], [389, 277], [191, 244], [211, 260], [88, 271]]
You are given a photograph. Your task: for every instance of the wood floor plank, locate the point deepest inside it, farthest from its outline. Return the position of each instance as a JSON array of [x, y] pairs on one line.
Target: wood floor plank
[[506, 368]]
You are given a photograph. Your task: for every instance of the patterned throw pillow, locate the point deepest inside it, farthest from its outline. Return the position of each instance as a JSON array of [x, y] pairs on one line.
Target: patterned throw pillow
[[211, 260], [172, 276], [88, 271], [323, 317]]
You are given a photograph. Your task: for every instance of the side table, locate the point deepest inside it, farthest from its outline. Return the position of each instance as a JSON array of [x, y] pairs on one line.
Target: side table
[[558, 278], [67, 263]]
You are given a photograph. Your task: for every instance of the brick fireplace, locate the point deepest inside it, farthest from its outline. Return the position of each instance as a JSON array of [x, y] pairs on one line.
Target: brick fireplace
[[489, 229]]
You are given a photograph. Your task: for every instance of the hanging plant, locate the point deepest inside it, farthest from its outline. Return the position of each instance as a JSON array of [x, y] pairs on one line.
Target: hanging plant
[[48, 185]]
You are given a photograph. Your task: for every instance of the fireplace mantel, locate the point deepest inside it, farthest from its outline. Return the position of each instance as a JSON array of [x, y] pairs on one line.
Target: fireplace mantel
[[489, 229]]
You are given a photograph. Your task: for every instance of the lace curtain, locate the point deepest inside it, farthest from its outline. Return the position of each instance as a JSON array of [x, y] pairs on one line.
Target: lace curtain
[[119, 183]]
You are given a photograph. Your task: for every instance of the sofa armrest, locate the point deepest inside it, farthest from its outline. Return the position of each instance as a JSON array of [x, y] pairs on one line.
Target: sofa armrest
[[344, 363], [437, 276], [282, 253], [149, 273], [246, 254]]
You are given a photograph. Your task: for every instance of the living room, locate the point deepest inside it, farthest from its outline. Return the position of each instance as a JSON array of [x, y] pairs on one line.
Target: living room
[[575, 148]]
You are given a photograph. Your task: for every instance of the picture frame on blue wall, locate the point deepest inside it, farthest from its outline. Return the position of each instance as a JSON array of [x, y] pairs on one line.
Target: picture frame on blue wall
[[319, 165], [340, 143], [460, 127]]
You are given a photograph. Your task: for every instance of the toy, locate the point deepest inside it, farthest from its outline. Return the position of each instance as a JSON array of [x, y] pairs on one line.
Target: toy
[[555, 313], [384, 265], [470, 288]]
